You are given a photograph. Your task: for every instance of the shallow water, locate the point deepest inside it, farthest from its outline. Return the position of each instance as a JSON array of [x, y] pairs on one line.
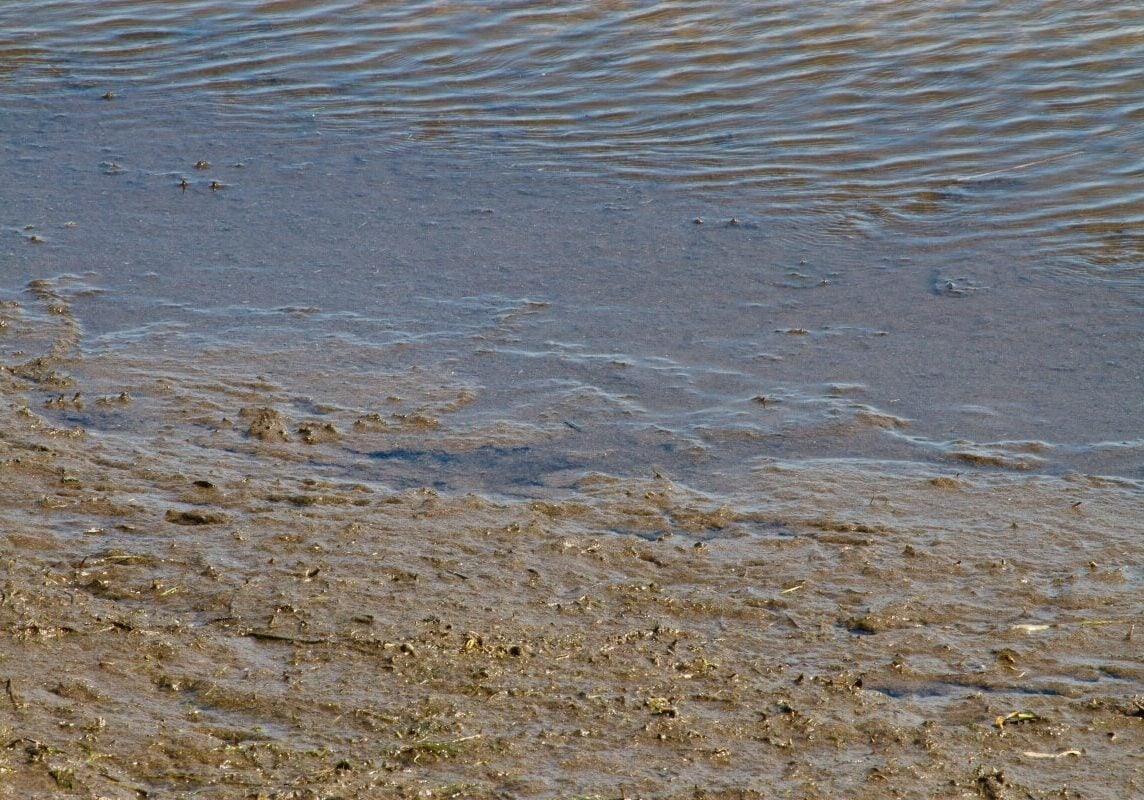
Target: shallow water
[[598, 317], [956, 124], [761, 390]]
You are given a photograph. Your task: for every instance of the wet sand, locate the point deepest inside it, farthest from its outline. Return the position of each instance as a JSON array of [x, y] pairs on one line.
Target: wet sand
[[194, 603]]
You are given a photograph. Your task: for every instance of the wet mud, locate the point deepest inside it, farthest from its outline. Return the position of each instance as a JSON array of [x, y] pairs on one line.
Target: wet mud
[[217, 584]]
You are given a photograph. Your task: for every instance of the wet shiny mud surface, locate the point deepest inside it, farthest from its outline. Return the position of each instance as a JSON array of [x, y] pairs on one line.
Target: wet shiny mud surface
[[201, 598]]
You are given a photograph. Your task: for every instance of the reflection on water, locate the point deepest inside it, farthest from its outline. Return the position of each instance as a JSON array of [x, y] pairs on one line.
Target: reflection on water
[[949, 122]]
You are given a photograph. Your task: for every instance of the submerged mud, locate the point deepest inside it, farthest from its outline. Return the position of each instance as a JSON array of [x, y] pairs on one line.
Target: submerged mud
[[221, 584]]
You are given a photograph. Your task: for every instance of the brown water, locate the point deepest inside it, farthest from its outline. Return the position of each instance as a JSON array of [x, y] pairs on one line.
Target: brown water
[[603, 400]]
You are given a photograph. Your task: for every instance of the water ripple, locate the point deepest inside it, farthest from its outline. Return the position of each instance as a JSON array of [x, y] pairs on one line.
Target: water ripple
[[955, 123]]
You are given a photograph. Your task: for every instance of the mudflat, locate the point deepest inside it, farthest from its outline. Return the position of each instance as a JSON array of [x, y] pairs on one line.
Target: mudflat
[[469, 400], [218, 614]]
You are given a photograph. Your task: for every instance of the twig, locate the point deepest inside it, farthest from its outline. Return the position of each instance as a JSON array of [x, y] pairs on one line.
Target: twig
[[279, 637]]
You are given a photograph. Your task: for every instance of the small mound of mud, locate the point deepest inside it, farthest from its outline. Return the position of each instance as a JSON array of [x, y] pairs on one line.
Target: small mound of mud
[[265, 424]]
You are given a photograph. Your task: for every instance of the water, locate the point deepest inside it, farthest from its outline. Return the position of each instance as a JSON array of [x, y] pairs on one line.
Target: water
[[848, 302], [906, 153], [956, 124]]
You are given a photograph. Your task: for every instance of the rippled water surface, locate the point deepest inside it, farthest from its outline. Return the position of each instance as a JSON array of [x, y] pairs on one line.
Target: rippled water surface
[[734, 231], [949, 122], [873, 160]]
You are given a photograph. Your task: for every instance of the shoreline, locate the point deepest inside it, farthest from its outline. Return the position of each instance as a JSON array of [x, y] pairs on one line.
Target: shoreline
[[211, 611]]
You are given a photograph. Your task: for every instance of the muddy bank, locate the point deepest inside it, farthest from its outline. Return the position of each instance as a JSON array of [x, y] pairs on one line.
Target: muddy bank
[[204, 594]]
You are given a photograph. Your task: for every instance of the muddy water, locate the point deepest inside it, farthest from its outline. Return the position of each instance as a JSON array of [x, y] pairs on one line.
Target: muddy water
[[491, 403]]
